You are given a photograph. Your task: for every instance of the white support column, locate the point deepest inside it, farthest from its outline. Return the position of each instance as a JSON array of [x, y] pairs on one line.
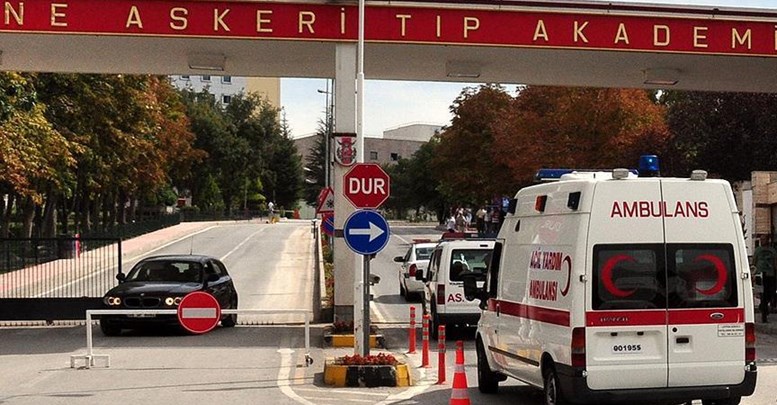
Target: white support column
[[345, 121]]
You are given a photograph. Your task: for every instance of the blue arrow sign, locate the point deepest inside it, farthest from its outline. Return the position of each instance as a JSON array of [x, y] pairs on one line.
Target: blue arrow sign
[[366, 232], [328, 224]]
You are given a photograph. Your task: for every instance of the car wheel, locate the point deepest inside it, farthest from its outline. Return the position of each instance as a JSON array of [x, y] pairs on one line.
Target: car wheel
[[488, 381], [108, 329], [551, 390], [402, 291], [230, 320]]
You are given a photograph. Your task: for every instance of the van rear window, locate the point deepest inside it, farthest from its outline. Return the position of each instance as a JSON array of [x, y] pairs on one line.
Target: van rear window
[[681, 275], [701, 276], [629, 277], [463, 260]]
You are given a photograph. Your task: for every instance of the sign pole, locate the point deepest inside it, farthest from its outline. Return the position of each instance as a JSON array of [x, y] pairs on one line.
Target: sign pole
[[366, 232], [358, 279], [366, 305]]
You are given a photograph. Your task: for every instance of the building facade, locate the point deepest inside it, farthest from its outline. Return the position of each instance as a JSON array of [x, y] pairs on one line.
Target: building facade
[[396, 143], [227, 87]]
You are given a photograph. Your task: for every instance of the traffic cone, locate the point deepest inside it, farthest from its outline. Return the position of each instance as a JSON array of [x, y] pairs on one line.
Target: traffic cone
[[459, 393]]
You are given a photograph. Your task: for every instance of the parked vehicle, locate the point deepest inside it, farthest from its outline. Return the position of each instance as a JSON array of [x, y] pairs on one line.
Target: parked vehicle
[[608, 287], [160, 282], [415, 261], [443, 284]]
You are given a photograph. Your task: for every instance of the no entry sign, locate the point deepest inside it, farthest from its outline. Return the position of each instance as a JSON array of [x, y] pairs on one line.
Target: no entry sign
[[199, 312]]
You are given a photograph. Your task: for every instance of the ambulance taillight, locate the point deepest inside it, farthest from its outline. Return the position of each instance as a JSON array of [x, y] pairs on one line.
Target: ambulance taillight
[[749, 343], [440, 294], [578, 347]]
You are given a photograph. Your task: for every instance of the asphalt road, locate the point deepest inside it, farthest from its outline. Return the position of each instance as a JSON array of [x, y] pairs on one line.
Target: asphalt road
[[261, 360]]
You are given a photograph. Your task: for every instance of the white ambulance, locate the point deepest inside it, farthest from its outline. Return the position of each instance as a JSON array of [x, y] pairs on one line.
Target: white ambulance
[[608, 287], [443, 283]]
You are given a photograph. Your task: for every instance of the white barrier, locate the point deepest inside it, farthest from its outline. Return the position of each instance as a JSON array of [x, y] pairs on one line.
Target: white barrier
[[89, 357]]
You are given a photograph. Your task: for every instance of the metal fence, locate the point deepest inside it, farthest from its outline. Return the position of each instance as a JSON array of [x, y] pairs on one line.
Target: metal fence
[[55, 278]]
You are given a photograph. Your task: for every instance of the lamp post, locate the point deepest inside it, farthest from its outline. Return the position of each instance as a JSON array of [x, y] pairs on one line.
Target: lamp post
[[328, 132]]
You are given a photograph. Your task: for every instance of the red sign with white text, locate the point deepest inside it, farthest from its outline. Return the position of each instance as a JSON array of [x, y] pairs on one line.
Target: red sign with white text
[[366, 185], [651, 30]]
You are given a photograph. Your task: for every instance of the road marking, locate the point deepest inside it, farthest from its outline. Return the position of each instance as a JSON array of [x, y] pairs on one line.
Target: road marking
[[400, 238], [344, 392], [223, 258], [284, 373]]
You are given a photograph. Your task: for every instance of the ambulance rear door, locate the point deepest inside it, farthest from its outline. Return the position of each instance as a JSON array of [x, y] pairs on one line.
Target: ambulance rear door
[[705, 297], [626, 314]]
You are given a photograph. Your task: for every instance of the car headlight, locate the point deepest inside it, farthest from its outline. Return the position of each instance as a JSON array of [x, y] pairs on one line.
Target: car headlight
[[173, 301], [112, 301]]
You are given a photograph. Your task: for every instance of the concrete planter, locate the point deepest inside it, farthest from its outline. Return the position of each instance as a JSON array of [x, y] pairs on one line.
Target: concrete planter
[[366, 376], [332, 339]]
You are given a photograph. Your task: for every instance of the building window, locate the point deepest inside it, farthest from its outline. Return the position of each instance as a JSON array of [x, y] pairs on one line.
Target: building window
[[226, 99], [226, 79], [206, 78], [373, 155], [184, 77], [395, 157]]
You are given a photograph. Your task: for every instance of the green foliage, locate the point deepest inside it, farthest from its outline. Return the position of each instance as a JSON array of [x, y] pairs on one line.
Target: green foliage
[[414, 184], [209, 198], [316, 166], [249, 156], [727, 134]]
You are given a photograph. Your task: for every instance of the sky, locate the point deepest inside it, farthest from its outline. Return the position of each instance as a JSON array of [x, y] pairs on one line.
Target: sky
[[389, 104]]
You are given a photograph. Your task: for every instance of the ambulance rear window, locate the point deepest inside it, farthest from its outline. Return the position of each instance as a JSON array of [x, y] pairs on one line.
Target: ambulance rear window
[[463, 260], [701, 276], [629, 277]]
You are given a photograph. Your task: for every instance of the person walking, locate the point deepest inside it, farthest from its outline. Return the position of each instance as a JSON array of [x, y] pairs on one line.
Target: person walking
[[480, 221], [765, 258]]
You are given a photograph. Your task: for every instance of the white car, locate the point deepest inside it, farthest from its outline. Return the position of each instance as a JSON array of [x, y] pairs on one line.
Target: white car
[[416, 260]]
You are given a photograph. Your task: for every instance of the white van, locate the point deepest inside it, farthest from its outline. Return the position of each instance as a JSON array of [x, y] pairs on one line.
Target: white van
[[608, 287], [444, 289]]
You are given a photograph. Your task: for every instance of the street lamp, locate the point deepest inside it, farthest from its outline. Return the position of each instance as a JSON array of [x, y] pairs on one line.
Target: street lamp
[[328, 132]]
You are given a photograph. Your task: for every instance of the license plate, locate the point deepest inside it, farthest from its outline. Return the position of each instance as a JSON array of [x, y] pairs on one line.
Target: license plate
[[627, 348], [142, 315]]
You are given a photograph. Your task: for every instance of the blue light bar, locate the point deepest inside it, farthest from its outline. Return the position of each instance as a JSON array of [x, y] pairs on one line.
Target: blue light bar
[[551, 174], [555, 174], [649, 166]]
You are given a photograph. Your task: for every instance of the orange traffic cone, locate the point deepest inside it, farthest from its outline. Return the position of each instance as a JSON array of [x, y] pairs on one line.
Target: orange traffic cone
[[459, 393]]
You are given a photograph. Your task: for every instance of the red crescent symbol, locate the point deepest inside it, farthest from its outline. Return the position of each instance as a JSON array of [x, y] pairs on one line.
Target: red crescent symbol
[[720, 267], [568, 261], [609, 265]]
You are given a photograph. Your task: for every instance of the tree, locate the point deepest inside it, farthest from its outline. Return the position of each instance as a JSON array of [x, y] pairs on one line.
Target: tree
[[727, 134], [246, 147], [577, 128], [315, 166], [34, 158], [414, 184], [463, 160]]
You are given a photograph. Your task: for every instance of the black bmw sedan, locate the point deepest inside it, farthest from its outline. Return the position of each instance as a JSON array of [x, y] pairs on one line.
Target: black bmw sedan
[[160, 282]]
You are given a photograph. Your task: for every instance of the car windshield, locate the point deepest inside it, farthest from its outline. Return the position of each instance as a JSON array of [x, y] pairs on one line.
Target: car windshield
[[423, 253], [166, 270]]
